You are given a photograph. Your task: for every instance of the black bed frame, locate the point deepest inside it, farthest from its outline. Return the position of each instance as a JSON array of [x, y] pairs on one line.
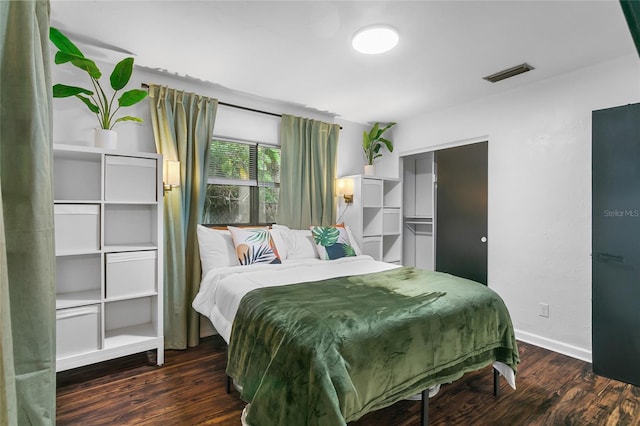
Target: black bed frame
[[424, 410]]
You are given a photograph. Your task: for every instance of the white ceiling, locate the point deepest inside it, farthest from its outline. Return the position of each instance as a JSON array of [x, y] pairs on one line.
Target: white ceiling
[[300, 51]]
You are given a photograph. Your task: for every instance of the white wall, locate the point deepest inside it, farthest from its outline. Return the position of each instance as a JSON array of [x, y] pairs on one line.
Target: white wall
[[73, 123], [539, 232]]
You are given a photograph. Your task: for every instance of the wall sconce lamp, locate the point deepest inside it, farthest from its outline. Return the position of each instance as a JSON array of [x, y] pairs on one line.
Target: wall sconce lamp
[[171, 175], [344, 188]]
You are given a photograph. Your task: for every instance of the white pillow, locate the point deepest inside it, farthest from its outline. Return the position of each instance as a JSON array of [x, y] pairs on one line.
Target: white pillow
[[298, 243], [216, 248], [278, 233], [301, 245]]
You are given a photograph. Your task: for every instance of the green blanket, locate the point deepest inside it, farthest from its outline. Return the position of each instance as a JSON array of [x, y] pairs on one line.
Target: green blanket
[[326, 353]]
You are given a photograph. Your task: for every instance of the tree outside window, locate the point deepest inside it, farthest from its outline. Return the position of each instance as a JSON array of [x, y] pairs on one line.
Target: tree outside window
[[243, 183]]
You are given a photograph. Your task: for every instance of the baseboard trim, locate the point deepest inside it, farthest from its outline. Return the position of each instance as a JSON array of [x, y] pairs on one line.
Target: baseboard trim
[[555, 346]]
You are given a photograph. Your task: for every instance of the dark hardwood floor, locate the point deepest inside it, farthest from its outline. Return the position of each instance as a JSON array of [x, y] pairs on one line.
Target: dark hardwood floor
[[190, 390]]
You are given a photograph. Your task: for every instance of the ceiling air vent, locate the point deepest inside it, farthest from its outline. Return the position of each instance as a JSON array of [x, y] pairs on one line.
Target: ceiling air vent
[[510, 72]]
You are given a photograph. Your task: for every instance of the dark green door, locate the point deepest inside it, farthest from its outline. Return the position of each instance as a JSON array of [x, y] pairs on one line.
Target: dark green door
[[461, 211], [616, 243]]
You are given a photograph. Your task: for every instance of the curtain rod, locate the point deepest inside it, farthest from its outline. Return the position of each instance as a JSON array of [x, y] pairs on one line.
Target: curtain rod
[[259, 111], [146, 86]]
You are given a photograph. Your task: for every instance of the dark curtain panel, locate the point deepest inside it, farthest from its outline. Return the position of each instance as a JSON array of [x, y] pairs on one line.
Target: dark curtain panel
[[631, 9]]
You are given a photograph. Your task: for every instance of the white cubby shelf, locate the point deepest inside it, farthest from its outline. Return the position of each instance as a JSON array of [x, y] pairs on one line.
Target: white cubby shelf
[[108, 221], [375, 216]]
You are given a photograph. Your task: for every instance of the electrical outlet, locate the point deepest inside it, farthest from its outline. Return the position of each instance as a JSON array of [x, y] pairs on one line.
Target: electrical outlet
[[543, 310]]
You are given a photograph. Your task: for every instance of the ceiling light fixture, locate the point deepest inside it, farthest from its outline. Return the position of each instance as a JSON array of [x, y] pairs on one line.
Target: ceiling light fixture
[[375, 39]]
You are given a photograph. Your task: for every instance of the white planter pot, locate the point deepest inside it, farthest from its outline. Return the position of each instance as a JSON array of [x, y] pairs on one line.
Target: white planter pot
[[107, 139], [369, 170]]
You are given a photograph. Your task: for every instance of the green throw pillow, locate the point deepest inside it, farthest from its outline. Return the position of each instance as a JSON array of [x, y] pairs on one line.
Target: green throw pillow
[[332, 242]]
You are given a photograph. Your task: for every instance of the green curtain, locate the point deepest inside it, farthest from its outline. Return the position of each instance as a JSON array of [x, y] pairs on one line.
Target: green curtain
[[182, 127], [8, 401], [631, 10], [307, 172], [27, 260]]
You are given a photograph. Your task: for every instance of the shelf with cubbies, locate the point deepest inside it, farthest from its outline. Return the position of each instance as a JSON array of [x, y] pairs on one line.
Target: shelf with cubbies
[[108, 239], [375, 216]]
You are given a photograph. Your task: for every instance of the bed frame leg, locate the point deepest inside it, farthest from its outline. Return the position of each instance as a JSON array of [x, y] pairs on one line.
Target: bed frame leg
[[496, 383], [424, 412], [228, 385]]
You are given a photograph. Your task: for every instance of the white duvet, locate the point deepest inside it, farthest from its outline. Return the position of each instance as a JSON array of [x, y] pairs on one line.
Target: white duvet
[[222, 288]]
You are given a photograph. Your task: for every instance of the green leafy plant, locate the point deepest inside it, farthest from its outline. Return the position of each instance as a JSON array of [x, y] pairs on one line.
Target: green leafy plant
[[373, 141], [96, 100]]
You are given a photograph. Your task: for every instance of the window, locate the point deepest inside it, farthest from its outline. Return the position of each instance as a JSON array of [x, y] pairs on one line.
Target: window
[[243, 183]]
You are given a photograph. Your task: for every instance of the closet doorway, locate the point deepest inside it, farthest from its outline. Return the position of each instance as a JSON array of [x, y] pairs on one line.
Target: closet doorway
[[445, 210]]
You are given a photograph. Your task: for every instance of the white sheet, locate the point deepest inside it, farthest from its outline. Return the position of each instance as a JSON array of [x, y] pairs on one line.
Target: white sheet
[[222, 288]]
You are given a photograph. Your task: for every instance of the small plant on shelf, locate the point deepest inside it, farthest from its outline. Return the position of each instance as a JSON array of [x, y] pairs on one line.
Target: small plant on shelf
[[96, 100], [372, 142]]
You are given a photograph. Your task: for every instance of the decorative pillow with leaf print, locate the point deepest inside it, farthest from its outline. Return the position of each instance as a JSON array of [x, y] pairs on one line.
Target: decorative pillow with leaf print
[[332, 242], [254, 245]]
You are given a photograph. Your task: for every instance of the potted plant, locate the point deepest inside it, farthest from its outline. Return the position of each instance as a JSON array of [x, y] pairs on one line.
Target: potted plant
[[372, 142], [97, 100]]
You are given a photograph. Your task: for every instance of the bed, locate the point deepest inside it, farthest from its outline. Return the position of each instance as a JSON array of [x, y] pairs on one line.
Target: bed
[[323, 342]]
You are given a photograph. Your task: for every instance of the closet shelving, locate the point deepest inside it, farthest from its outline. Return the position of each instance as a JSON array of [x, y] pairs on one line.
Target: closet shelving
[[419, 207]]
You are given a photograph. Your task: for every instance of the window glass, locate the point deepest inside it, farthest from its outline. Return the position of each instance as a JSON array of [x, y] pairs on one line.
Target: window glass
[[243, 183], [227, 204], [268, 204]]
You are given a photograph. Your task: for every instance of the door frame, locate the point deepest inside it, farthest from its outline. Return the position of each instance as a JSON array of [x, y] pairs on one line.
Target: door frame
[[445, 145]]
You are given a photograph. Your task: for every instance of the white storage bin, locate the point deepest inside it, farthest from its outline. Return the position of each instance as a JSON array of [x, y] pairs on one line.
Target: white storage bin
[[77, 330], [130, 179], [391, 221], [77, 227], [131, 273]]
